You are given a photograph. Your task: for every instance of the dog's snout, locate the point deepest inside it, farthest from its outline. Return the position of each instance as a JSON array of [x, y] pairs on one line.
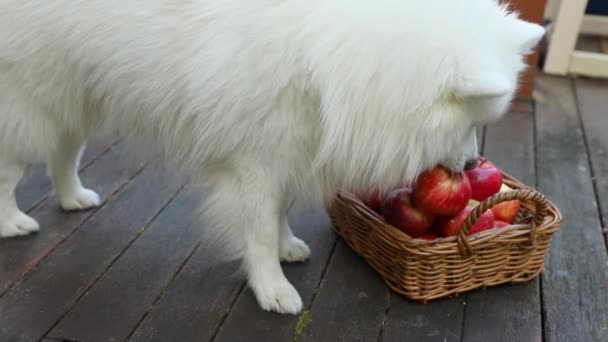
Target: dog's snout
[[470, 164]]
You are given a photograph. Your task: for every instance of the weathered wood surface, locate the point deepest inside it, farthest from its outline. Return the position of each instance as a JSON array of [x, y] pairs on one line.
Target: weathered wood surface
[[574, 285], [36, 303], [133, 269], [136, 279], [245, 321], [508, 312], [351, 303], [19, 256], [592, 98]]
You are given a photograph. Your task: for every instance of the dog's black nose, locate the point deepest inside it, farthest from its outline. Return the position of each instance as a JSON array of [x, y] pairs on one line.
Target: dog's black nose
[[470, 164]]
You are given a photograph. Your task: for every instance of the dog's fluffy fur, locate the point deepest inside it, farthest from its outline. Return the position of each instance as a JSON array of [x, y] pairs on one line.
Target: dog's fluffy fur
[[260, 100]]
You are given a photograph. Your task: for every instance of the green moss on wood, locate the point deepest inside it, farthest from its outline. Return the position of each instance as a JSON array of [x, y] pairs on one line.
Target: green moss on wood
[[302, 323]]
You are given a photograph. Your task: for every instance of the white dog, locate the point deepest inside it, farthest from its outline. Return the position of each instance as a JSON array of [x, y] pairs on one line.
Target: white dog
[[260, 100]]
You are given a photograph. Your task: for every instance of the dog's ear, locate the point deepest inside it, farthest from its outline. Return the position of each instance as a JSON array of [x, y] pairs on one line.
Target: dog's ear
[[484, 84], [528, 35], [486, 80]]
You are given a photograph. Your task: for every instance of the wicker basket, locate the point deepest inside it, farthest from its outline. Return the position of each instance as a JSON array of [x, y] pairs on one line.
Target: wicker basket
[[424, 270]]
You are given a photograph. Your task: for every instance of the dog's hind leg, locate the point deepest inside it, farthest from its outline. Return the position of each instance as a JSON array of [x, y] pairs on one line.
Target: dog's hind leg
[[13, 222], [22, 140], [291, 248], [64, 165]]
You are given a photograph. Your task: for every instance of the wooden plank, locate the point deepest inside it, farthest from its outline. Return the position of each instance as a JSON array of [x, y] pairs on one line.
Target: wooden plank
[[551, 9], [350, 304], [522, 106], [248, 321], [594, 24], [574, 284], [36, 185], [439, 320], [509, 312], [592, 64], [21, 255], [592, 104], [134, 282], [194, 305], [34, 305]]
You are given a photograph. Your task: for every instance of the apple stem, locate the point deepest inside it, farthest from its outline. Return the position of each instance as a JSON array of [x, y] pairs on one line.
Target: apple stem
[[482, 161]]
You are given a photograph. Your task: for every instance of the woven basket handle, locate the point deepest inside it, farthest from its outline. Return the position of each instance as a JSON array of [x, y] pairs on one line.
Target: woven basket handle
[[523, 195]]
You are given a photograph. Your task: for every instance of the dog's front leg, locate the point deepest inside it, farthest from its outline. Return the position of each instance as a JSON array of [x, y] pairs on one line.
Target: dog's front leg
[[252, 206], [272, 290], [265, 241]]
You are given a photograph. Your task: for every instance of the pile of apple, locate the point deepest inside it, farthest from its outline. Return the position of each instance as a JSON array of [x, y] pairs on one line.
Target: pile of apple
[[439, 202]]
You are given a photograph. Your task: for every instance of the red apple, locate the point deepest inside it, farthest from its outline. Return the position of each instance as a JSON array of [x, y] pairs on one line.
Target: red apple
[[429, 237], [441, 192], [500, 224], [506, 211], [371, 199], [485, 180], [484, 222], [451, 226], [399, 212]]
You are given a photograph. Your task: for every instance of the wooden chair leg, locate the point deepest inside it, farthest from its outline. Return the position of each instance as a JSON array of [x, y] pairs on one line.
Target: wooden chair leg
[[551, 9], [562, 42]]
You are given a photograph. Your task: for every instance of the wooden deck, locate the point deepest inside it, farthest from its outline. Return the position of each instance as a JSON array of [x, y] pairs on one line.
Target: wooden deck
[[132, 269]]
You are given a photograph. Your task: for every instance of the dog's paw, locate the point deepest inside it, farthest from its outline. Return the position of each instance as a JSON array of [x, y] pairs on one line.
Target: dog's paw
[[81, 199], [17, 223], [293, 250], [278, 296]]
